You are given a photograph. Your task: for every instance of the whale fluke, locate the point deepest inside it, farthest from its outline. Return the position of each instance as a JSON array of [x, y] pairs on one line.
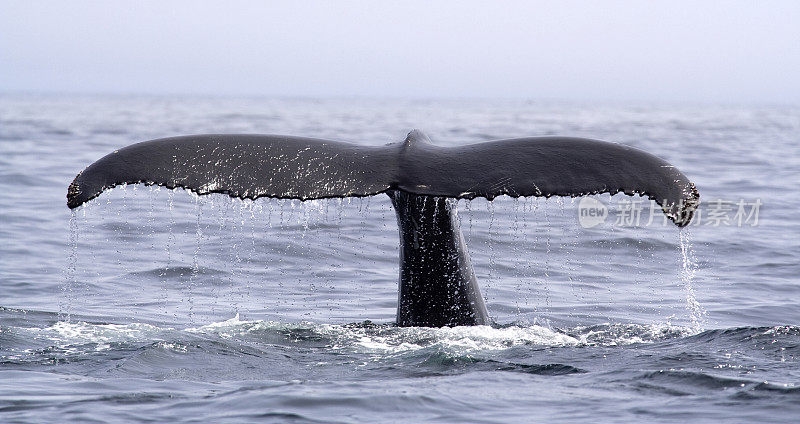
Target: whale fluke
[[243, 166], [437, 283], [253, 166]]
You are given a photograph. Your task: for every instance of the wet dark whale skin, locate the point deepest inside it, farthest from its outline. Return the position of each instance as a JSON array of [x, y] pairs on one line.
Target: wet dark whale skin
[[437, 285]]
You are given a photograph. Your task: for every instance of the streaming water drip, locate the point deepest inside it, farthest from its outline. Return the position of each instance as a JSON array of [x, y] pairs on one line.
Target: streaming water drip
[[151, 220], [688, 269], [571, 267], [222, 218], [525, 263], [117, 229], [237, 226], [208, 232], [547, 228], [328, 274], [515, 242], [339, 224], [168, 251], [563, 265], [195, 263], [492, 258], [468, 210], [274, 229], [151, 223], [336, 265], [306, 207], [339, 217], [363, 209], [311, 210], [637, 263], [525, 272], [658, 305], [248, 205], [65, 307], [95, 270], [531, 205]]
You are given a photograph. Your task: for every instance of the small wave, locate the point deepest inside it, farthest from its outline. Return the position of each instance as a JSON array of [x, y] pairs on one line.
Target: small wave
[[741, 334], [781, 330], [109, 131], [546, 369], [177, 271], [639, 243], [71, 341], [57, 131], [626, 334], [378, 341], [22, 179], [695, 378], [64, 333], [684, 380], [249, 116], [389, 339], [785, 388], [368, 337]]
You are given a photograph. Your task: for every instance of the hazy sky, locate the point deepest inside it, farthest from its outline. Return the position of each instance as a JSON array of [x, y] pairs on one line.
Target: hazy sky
[[696, 51]]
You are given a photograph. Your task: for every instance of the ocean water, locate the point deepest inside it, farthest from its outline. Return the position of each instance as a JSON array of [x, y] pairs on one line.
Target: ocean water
[[154, 305]]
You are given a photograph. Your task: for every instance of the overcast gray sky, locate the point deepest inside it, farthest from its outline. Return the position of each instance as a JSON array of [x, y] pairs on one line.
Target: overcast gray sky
[[695, 51]]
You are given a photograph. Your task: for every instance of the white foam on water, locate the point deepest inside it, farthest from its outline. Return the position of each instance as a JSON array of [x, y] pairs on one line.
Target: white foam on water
[[379, 340], [610, 334], [463, 339], [72, 336]]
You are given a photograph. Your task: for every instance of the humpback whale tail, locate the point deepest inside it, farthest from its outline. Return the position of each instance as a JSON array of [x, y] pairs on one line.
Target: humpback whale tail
[[437, 284]]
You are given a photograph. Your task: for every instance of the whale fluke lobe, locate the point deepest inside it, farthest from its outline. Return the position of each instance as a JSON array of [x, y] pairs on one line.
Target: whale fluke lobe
[[437, 283], [242, 166], [546, 166]]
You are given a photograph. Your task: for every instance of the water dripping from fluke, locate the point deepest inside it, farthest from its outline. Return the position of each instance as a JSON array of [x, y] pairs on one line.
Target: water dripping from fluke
[[696, 311], [70, 271], [437, 284]]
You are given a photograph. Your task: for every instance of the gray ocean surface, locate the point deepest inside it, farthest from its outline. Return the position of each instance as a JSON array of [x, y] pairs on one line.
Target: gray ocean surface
[[152, 305]]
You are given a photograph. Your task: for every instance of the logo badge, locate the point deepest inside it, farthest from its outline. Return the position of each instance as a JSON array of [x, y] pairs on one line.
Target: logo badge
[[591, 212]]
